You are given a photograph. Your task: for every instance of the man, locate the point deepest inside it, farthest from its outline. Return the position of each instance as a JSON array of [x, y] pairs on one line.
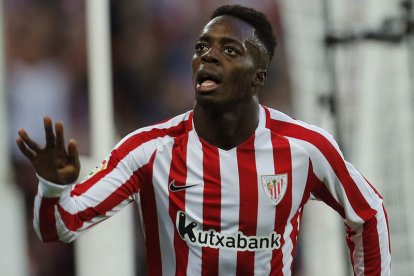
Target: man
[[221, 188]]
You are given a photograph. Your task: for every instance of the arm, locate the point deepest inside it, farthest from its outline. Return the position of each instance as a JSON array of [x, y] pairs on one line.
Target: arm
[[63, 209], [61, 213], [342, 187]]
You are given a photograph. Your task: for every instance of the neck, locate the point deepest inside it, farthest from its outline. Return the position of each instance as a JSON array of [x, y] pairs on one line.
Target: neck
[[227, 129]]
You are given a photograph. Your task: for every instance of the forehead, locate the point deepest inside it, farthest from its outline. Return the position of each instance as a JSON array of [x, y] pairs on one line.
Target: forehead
[[229, 26]]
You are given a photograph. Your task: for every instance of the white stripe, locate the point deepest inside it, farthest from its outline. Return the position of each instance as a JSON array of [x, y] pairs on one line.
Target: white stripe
[[384, 244], [358, 254], [287, 249], [230, 204], [266, 209], [299, 179], [193, 197], [36, 215], [161, 168], [36, 212]]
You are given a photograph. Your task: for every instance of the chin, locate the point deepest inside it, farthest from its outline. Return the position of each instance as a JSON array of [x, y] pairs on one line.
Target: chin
[[213, 106]]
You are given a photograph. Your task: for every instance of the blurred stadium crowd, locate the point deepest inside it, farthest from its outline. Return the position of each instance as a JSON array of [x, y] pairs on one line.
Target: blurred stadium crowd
[[152, 47]]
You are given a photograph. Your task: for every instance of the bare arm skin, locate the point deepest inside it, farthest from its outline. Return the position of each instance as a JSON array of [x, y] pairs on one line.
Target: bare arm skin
[[53, 162]]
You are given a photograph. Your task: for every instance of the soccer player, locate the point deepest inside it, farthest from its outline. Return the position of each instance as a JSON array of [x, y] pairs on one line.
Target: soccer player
[[222, 187]]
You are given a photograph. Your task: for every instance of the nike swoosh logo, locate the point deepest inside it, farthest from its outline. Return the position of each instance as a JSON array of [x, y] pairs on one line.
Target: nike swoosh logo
[[174, 188]]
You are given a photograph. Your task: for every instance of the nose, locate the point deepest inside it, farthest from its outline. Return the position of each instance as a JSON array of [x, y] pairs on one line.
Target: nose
[[210, 56]]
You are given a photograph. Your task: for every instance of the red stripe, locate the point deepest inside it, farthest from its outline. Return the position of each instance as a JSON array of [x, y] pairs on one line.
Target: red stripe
[[178, 174], [246, 161], [283, 165], [150, 221], [47, 221], [357, 200], [75, 221], [372, 254], [211, 206], [126, 147]]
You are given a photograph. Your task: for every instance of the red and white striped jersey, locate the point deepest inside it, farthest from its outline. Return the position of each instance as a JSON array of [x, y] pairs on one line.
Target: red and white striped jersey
[[209, 211]]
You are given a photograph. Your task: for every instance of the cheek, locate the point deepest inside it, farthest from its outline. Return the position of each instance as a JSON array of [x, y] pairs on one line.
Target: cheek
[[242, 77]]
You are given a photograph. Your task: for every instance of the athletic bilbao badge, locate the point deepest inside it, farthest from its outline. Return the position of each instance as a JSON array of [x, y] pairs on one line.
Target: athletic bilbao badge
[[275, 186]]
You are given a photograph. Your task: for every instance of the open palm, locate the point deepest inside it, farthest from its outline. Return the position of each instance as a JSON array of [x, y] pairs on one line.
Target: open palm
[[51, 162]]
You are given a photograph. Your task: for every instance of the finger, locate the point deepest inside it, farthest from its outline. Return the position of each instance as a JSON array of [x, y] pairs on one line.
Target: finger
[[28, 153], [60, 139], [50, 137], [29, 142], [73, 153]]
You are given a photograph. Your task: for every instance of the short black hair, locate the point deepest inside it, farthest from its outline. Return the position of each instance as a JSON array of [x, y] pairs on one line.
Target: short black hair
[[258, 20]]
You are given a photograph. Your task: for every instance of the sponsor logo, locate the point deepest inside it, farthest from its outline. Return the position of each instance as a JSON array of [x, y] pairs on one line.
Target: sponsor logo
[[191, 232], [174, 188], [275, 186]]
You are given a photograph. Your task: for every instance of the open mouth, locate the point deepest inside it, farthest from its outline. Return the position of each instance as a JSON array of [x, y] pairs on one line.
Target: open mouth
[[206, 82]]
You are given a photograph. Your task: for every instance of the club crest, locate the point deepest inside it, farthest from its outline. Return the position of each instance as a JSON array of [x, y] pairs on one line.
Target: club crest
[[275, 186]]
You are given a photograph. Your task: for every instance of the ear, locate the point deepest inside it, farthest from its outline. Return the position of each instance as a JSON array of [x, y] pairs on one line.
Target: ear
[[260, 77]]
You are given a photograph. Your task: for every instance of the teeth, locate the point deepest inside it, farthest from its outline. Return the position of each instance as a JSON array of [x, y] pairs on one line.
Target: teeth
[[208, 83]]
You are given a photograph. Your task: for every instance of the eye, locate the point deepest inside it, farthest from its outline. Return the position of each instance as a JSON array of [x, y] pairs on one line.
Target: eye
[[231, 51], [200, 48]]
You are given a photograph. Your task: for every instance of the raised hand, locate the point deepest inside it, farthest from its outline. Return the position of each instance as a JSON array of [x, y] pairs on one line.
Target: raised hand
[[52, 162]]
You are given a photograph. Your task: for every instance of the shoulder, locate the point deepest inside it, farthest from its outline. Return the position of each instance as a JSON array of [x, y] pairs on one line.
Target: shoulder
[[305, 134], [153, 136], [136, 149]]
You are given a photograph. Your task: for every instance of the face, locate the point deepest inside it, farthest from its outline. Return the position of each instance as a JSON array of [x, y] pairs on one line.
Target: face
[[223, 65]]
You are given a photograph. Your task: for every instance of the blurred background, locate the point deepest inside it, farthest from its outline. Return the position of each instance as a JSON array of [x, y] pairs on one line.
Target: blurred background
[[347, 66]]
